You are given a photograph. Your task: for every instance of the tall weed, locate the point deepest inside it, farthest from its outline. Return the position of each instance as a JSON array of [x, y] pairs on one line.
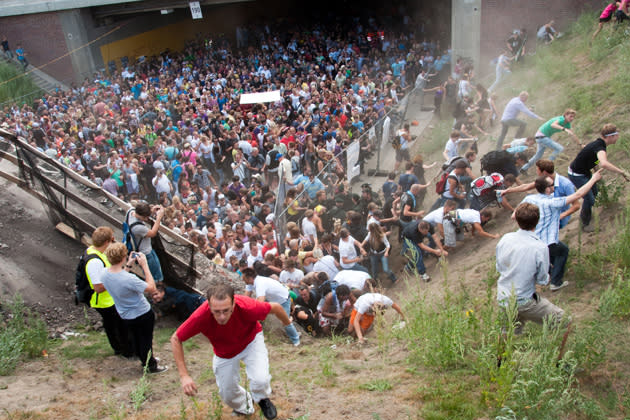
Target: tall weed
[[22, 335]]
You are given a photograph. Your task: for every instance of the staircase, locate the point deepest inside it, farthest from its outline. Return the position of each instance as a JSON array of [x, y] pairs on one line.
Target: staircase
[[43, 80]]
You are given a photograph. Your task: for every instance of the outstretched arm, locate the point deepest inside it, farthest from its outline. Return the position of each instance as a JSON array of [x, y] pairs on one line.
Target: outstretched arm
[[188, 385], [279, 312]]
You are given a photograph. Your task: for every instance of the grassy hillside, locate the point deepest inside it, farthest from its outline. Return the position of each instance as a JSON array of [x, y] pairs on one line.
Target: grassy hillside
[[15, 87], [456, 345]]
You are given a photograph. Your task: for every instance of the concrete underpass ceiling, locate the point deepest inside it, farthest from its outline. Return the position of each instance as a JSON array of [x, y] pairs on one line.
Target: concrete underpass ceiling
[[100, 8]]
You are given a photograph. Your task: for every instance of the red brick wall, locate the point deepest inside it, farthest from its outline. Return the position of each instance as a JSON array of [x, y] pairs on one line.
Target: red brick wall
[[43, 40], [500, 17]]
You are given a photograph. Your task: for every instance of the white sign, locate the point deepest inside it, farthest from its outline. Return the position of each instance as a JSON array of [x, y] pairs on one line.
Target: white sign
[[352, 154], [260, 97], [195, 9]]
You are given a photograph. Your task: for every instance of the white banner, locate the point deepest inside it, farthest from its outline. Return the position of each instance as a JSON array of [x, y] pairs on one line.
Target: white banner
[[195, 9], [256, 98], [352, 155]]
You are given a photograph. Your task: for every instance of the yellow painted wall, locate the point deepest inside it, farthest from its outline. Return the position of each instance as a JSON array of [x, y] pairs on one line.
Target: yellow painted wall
[[154, 41]]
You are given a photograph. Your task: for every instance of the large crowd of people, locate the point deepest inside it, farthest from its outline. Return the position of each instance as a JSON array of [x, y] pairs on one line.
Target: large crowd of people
[[170, 135]]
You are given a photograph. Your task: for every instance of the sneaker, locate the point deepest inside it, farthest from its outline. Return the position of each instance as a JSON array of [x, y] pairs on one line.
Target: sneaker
[[426, 277], [588, 228], [296, 344], [158, 369], [523, 172], [555, 288], [267, 408]]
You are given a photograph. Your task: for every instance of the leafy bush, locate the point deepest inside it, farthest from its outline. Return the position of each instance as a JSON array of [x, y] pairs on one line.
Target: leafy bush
[[22, 335]]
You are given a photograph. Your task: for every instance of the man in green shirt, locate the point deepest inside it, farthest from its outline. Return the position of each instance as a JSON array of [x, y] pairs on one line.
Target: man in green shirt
[[548, 129]]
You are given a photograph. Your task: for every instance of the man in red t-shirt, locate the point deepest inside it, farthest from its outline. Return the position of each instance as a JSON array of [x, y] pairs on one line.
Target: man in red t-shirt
[[231, 323]]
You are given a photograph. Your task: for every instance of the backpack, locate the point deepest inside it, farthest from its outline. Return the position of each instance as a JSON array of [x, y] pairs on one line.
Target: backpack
[[127, 236], [440, 187], [485, 185], [396, 142], [496, 161], [83, 291], [327, 287]]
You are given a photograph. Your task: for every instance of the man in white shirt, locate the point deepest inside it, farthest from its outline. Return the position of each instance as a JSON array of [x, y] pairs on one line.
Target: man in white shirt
[[348, 257], [511, 111], [270, 290], [454, 222], [308, 227], [291, 276], [161, 183], [354, 279]]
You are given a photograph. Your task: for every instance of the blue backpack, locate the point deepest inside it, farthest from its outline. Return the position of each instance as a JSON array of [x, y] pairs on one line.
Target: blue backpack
[[128, 239]]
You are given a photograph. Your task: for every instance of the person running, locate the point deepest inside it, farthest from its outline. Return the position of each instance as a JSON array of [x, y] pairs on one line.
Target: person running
[[232, 325], [606, 16], [514, 107], [591, 155], [548, 129]]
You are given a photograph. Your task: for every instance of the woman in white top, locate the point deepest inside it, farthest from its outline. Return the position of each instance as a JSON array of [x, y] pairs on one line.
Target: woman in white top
[[378, 249]]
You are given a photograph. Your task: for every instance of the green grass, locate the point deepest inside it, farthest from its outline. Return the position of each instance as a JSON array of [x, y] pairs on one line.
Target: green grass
[[93, 346], [15, 86], [23, 334]]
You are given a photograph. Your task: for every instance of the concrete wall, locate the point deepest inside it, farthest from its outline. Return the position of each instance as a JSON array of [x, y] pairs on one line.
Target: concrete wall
[[465, 29], [44, 41]]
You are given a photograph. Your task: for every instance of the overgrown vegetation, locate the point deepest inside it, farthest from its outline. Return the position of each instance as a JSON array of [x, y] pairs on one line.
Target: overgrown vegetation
[[23, 334], [478, 366], [16, 87]]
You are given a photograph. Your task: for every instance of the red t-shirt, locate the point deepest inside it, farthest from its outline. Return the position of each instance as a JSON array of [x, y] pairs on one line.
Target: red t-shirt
[[230, 339]]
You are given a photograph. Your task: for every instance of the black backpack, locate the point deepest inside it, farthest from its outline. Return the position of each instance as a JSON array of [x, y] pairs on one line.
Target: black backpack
[[496, 161], [83, 291]]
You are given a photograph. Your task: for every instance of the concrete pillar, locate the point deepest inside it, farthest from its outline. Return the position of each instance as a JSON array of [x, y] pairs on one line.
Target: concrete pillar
[[73, 23], [466, 30]]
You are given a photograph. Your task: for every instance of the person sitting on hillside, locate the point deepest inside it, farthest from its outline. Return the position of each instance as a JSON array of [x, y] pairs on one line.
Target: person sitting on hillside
[[547, 33]]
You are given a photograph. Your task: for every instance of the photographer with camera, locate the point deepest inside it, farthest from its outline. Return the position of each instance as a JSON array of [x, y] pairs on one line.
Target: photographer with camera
[[128, 290], [142, 234]]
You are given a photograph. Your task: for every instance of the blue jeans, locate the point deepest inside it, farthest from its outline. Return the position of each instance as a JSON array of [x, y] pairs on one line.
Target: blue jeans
[[588, 200], [500, 73], [558, 255], [541, 144], [154, 266], [290, 329], [416, 262], [374, 260], [505, 125]]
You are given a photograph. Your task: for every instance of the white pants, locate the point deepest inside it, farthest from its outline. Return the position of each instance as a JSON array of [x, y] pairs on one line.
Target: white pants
[[227, 374]]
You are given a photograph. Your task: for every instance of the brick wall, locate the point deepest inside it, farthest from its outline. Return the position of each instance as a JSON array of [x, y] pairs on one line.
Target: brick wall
[[500, 17], [43, 40]]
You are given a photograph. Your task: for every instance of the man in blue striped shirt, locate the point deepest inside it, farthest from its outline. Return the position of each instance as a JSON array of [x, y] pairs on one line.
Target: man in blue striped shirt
[[548, 225]]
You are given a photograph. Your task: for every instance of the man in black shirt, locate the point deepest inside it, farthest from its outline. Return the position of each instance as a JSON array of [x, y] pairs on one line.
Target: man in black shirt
[[414, 246], [591, 155]]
